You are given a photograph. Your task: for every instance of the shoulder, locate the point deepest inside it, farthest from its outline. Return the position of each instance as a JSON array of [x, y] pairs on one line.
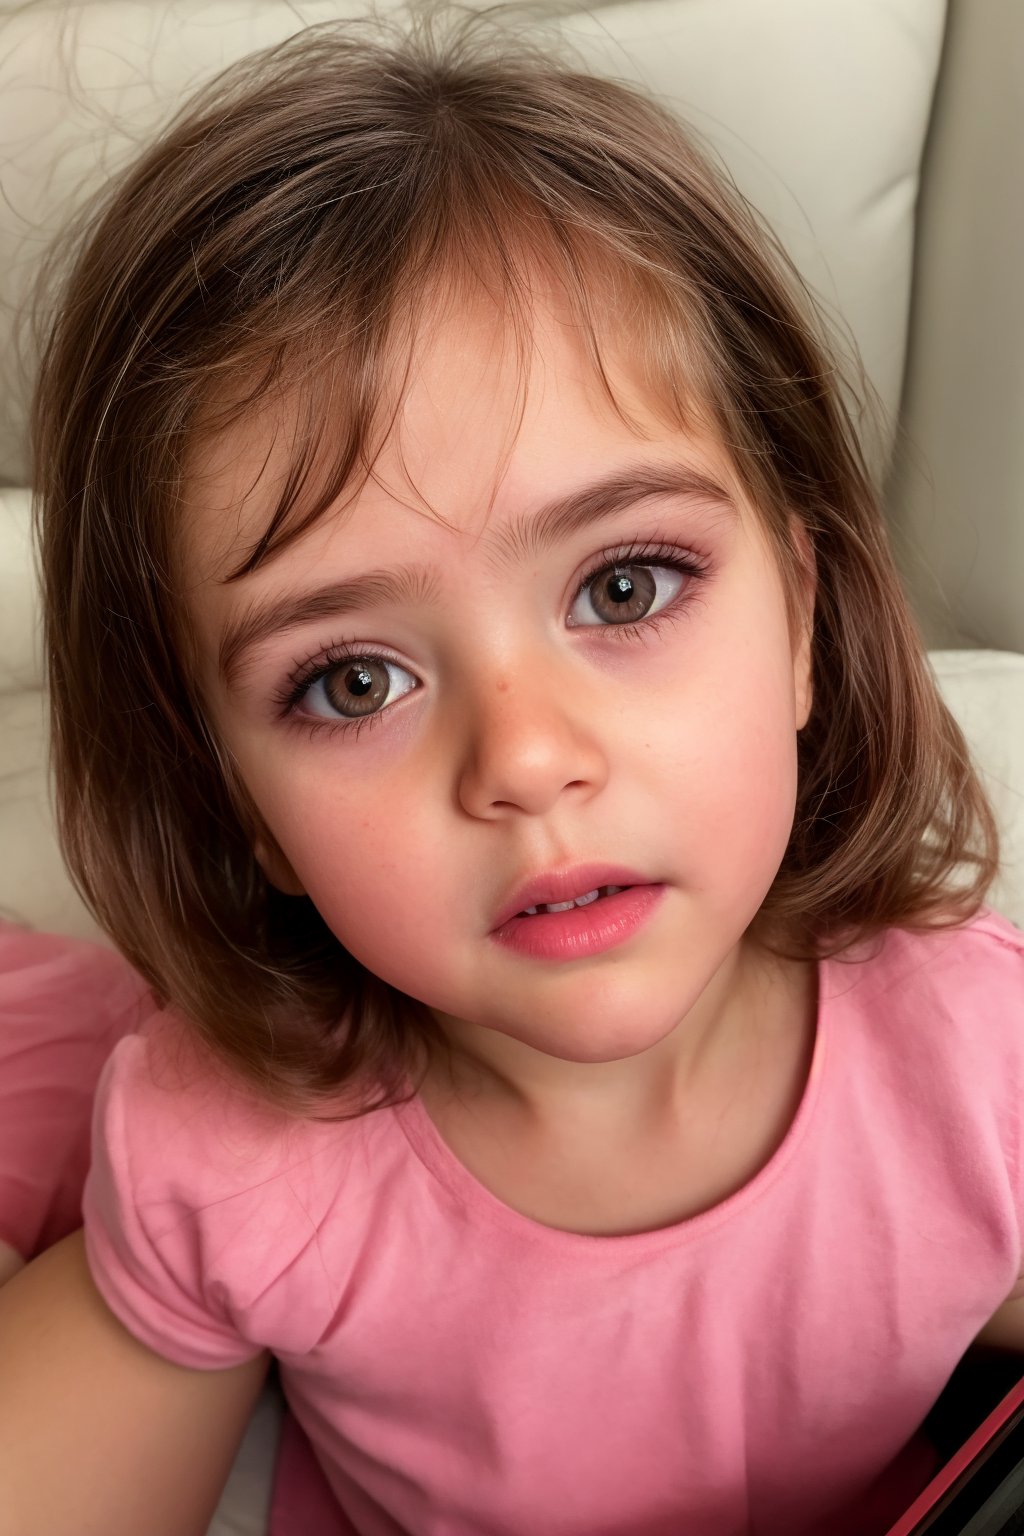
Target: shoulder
[[203, 1192], [184, 1123], [986, 937], [187, 1123], [936, 1003], [980, 962]]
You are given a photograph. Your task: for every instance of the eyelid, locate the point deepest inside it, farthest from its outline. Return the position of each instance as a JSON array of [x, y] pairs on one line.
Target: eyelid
[[305, 674], [647, 552]]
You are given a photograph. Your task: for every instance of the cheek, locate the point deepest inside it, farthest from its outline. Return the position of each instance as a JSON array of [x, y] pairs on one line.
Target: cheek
[[727, 764], [372, 860], [757, 800]]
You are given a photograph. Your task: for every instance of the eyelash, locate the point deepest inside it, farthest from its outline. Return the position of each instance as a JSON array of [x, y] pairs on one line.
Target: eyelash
[[325, 659]]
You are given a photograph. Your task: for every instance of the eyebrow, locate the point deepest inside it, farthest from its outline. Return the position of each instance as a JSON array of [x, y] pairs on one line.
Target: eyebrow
[[523, 538]]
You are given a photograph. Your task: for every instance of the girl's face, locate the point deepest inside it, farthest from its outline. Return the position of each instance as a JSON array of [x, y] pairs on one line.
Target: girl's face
[[430, 715]]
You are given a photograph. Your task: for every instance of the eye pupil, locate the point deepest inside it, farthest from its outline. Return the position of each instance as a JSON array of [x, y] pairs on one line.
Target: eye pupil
[[358, 689], [358, 681], [624, 595]]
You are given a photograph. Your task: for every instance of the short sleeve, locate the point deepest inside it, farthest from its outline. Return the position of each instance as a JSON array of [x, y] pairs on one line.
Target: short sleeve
[[165, 1240], [64, 1004]]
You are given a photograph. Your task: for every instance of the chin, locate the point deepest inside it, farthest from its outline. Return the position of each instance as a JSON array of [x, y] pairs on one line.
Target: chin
[[592, 1043]]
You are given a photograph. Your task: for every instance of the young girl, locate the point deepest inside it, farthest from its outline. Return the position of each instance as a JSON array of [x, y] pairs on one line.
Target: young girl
[[486, 715]]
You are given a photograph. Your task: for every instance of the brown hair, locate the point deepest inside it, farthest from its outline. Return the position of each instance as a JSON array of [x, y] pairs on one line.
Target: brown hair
[[282, 228]]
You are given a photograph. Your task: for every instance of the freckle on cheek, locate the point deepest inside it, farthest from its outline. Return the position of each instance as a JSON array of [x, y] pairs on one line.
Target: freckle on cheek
[[502, 685]]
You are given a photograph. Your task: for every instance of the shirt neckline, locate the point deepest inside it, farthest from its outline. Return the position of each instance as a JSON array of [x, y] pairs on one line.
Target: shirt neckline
[[441, 1162]]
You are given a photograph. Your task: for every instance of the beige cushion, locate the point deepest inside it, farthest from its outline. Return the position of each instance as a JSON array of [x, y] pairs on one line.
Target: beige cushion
[[958, 494], [81, 86], [985, 691]]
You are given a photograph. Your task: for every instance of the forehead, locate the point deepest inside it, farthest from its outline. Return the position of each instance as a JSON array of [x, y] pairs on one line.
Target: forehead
[[479, 428]]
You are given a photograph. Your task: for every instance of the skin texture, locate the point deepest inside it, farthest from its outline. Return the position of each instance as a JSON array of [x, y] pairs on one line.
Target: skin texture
[[97, 1433], [527, 733]]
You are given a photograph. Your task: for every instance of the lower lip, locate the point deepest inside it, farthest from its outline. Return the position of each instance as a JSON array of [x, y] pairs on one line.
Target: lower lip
[[581, 931]]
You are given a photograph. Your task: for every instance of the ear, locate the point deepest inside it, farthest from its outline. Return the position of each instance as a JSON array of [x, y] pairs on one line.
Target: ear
[[803, 621], [276, 867]]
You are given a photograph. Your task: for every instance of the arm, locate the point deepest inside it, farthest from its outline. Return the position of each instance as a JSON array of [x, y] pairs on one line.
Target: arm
[[1005, 1329], [99, 1436]]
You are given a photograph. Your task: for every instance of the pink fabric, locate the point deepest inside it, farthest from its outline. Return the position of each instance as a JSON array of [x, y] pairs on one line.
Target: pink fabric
[[64, 1005], [302, 1502], [461, 1369]]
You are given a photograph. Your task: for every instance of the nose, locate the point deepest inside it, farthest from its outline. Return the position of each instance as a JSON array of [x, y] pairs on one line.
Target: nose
[[531, 738]]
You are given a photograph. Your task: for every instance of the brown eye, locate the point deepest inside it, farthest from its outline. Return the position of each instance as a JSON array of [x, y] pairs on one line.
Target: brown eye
[[622, 594], [356, 687]]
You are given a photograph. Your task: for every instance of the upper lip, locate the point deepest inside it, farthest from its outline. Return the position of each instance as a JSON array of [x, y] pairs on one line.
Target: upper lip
[[564, 885]]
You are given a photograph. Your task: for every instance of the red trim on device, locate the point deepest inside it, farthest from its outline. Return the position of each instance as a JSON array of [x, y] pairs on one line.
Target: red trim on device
[[958, 1462]]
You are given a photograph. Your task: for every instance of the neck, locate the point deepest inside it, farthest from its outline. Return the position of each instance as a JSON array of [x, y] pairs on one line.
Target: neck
[[709, 1044]]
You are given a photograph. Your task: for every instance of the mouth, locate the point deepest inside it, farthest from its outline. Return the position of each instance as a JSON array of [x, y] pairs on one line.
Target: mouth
[[556, 891], [577, 901], [600, 918]]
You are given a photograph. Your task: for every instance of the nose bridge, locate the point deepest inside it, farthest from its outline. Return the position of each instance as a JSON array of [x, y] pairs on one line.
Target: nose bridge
[[529, 735]]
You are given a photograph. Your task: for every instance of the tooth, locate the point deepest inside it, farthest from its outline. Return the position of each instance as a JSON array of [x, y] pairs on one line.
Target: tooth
[[578, 901]]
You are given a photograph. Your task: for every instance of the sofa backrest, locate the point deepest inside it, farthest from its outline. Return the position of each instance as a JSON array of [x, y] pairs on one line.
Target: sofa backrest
[[820, 112], [956, 495]]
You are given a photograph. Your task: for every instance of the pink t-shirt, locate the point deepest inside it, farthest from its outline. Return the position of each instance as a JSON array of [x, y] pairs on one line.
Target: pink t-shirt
[[461, 1370], [64, 1005]]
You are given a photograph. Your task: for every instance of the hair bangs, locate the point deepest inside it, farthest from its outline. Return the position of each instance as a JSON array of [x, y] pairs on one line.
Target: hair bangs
[[340, 391]]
